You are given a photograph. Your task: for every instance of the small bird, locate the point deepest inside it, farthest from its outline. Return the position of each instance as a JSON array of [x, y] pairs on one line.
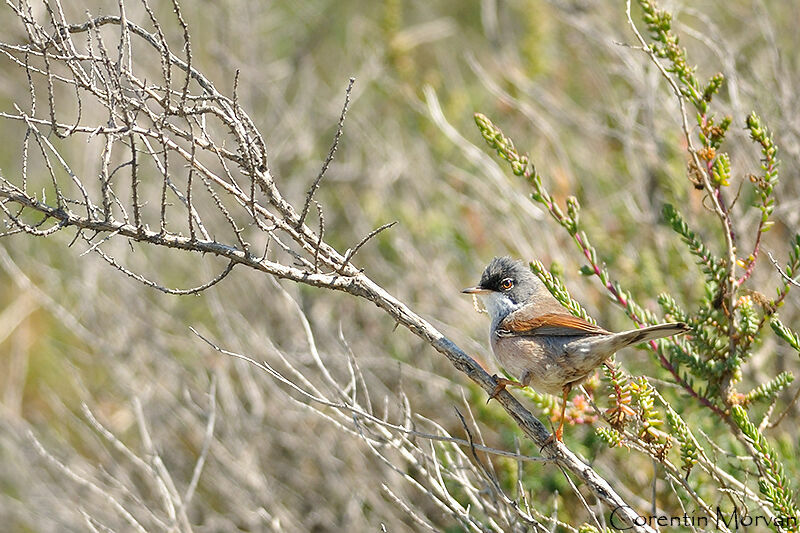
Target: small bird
[[535, 339]]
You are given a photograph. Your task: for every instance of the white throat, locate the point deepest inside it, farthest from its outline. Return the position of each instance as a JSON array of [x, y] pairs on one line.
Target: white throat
[[498, 306]]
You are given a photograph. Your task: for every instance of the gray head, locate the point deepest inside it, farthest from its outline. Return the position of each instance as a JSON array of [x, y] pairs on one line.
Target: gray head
[[505, 286], [509, 277]]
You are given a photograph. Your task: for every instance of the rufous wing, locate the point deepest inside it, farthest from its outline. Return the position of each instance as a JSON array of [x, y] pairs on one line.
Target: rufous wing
[[524, 322]]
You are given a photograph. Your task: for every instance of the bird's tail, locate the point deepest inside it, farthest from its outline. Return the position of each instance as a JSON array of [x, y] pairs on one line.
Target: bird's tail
[[637, 336]]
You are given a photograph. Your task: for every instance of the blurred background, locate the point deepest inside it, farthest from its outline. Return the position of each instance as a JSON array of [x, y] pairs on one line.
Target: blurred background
[[562, 78]]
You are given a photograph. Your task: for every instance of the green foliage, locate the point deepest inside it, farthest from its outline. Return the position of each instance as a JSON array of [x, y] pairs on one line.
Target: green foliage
[[713, 87], [665, 45], [689, 449], [748, 325], [684, 354], [620, 411], [504, 146], [785, 333], [772, 482], [727, 321], [671, 308], [748, 317], [651, 422], [713, 135], [721, 171], [559, 291], [547, 404], [769, 164], [791, 269], [610, 436], [711, 266], [767, 391]]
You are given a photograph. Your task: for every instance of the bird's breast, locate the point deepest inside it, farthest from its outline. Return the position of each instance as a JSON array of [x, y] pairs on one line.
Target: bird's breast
[[546, 359]]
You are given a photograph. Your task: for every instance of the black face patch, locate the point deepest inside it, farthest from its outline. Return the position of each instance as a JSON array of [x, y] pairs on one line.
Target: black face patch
[[502, 268]]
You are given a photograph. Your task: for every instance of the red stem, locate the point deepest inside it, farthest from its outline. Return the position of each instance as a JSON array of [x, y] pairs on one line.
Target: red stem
[[598, 272], [663, 360], [752, 262]]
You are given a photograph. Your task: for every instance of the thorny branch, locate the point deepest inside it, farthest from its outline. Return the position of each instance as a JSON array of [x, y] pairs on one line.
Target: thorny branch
[[328, 160]]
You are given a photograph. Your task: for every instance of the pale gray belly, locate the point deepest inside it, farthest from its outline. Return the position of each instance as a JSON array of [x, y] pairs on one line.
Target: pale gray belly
[[550, 361]]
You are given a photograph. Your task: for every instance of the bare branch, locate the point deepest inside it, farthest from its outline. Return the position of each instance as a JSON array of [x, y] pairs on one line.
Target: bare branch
[[80, 480], [331, 153], [351, 252]]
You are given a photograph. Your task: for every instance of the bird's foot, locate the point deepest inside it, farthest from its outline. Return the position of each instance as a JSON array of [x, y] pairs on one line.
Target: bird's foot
[[557, 435], [501, 384]]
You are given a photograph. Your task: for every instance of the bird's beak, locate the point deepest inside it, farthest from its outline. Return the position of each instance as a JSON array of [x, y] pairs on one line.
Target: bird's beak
[[476, 290]]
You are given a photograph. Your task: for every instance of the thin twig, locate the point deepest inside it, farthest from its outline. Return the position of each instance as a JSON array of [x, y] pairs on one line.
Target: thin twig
[[352, 251], [207, 440], [355, 410], [786, 278], [329, 159]]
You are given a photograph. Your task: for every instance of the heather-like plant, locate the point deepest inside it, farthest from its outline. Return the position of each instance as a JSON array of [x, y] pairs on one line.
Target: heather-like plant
[[728, 323]]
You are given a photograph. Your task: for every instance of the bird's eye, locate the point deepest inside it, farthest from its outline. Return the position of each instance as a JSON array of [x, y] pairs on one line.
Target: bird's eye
[[506, 284]]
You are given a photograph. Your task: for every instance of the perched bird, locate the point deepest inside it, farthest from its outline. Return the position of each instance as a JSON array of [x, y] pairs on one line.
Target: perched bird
[[536, 340]]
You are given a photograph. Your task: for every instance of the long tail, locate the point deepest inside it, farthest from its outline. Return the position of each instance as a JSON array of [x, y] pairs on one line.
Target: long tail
[[637, 336]]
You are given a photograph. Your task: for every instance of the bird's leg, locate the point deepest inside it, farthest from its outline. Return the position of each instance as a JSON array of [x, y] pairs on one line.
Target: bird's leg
[[560, 429], [558, 435], [502, 383]]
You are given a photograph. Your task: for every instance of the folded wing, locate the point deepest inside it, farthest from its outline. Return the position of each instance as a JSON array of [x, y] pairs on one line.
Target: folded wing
[[524, 322]]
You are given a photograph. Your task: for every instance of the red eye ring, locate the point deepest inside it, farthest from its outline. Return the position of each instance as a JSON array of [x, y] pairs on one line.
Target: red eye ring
[[506, 284]]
